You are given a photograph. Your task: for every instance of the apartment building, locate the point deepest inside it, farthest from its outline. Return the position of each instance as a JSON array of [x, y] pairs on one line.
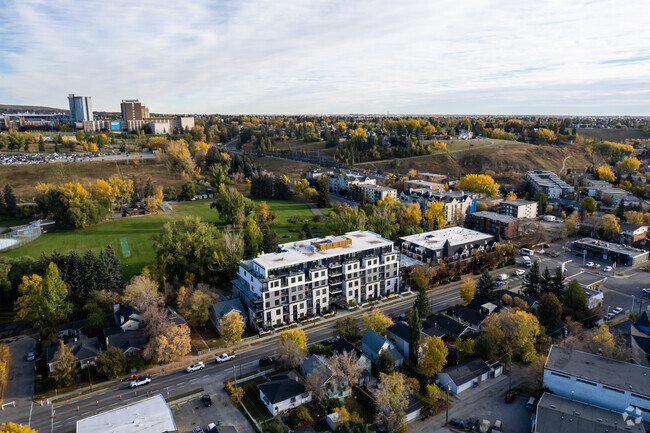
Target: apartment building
[[519, 208], [306, 278], [377, 192], [456, 243], [132, 109], [457, 203], [605, 191], [417, 183], [495, 224], [344, 182], [549, 183]]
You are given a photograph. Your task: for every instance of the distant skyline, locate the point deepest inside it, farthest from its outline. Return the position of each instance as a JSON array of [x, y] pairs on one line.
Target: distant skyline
[[586, 57]]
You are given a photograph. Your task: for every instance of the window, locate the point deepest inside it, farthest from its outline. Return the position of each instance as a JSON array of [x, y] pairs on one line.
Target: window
[[268, 304], [609, 388], [293, 399], [586, 382], [560, 375], [293, 289], [302, 305], [277, 302]]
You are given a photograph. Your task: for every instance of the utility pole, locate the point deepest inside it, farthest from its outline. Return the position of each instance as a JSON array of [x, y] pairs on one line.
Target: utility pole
[[447, 408]]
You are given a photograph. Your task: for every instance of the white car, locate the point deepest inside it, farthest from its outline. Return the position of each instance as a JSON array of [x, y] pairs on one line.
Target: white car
[[607, 269], [519, 272], [195, 367], [590, 264], [646, 291], [225, 357], [596, 266], [140, 381], [617, 310], [609, 316]]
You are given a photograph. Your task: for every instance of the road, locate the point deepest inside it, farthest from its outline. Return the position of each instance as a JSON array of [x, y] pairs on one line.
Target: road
[[62, 417]]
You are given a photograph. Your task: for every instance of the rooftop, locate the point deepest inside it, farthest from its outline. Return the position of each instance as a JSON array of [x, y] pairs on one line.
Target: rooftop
[[151, 415], [377, 188], [294, 253], [424, 183], [518, 202], [468, 370], [494, 216], [547, 178], [622, 249], [607, 371], [557, 414], [455, 235], [586, 279]]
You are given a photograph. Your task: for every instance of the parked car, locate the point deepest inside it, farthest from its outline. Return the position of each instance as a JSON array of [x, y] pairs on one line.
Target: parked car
[[484, 426], [607, 269], [519, 272], [456, 423], [590, 264], [471, 424], [266, 361], [30, 356], [646, 291], [139, 381], [498, 425], [617, 310], [198, 428], [609, 316], [206, 400], [510, 396], [210, 428], [596, 266], [555, 255], [225, 357], [195, 367]]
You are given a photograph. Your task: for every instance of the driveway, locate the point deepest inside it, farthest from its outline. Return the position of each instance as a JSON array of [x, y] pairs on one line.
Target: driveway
[[20, 386]]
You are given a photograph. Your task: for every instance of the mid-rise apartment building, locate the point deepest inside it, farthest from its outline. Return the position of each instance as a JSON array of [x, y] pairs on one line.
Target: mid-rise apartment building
[[495, 224], [344, 182], [457, 203], [377, 192], [306, 278], [456, 243], [518, 208], [549, 183]]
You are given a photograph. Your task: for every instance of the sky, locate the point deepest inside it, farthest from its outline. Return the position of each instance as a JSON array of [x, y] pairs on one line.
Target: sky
[[580, 57]]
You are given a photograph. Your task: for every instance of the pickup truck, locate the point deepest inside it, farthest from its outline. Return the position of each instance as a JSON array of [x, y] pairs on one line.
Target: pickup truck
[[225, 357]]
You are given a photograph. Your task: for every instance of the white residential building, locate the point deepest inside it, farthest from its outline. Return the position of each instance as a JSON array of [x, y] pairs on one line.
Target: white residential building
[[549, 183], [344, 182], [457, 203], [519, 208], [376, 192], [305, 278]]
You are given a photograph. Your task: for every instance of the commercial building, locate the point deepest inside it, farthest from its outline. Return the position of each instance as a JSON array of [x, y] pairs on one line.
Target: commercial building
[[32, 121], [557, 414], [149, 415], [491, 222], [377, 192], [155, 125], [518, 208], [599, 381], [620, 254], [457, 203], [453, 242], [132, 109], [590, 283], [306, 278], [549, 183], [81, 108]]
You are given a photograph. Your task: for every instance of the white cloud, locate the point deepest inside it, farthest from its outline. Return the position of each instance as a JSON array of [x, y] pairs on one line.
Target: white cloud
[[253, 56]]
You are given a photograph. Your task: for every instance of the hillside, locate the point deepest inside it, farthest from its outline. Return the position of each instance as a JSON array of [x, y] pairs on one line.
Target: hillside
[[35, 108], [611, 134]]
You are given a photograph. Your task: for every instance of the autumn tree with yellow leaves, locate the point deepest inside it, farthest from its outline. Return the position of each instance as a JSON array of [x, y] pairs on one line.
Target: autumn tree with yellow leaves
[[479, 183]]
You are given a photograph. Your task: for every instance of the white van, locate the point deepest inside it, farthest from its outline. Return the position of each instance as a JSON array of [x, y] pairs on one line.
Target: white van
[[503, 277], [527, 261], [526, 252]]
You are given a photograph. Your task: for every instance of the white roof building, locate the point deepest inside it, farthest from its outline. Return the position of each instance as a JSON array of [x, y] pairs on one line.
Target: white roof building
[[151, 415]]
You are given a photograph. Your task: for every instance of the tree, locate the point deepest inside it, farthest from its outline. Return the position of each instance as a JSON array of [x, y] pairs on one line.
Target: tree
[[571, 223], [486, 287], [345, 368], [385, 363], [433, 394], [10, 427], [514, 333], [415, 336], [479, 183], [347, 328], [252, 237], [532, 285], [546, 136], [323, 188], [66, 366], [232, 206], [435, 215], [511, 196], [540, 197], [347, 219], [292, 347], [546, 282], [316, 382], [377, 321], [392, 399], [557, 283], [467, 289], [236, 392], [550, 310], [111, 270], [172, 344], [629, 164], [421, 276], [231, 327], [44, 299], [345, 418], [196, 307], [605, 173], [94, 324], [10, 201], [611, 228], [219, 176], [383, 221], [589, 204], [575, 299], [111, 363], [434, 356], [422, 303], [142, 293]]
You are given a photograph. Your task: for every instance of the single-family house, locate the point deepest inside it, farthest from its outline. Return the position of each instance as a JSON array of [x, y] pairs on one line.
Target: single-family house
[[469, 317], [374, 344], [317, 364], [399, 334], [342, 345], [637, 336], [84, 348], [630, 233], [127, 318], [445, 327], [131, 342], [463, 376], [220, 309], [284, 391]]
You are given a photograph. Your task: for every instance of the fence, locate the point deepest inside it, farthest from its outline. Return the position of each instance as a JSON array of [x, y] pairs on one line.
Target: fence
[[19, 236]]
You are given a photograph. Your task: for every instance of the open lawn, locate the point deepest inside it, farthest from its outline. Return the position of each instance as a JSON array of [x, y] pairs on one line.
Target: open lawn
[[11, 223], [252, 399], [292, 169], [139, 231]]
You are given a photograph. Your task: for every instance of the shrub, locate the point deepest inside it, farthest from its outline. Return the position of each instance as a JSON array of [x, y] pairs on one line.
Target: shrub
[[295, 219], [275, 426], [319, 349]]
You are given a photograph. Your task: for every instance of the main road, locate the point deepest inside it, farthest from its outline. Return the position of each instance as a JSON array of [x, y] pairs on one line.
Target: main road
[[62, 417]]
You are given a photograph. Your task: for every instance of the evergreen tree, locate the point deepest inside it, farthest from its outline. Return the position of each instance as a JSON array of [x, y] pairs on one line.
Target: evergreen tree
[[56, 147], [41, 145], [422, 303], [75, 279], [546, 282], [111, 270], [10, 201], [305, 233], [323, 188], [558, 283], [149, 190], [415, 336], [532, 285], [90, 270], [269, 240], [3, 204], [486, 287], [620, 210]]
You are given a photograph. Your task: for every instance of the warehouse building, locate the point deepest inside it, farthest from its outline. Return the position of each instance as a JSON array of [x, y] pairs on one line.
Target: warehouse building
[[620, 254]]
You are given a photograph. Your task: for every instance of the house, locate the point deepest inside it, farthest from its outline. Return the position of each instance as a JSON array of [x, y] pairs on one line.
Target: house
[[637, 336], [399, 335], [131, 342], [317, 364], [631, 233], [342, 345], [284, 391], [473, 319], [84, 348], [374, 344], [445, 327], [127, 318], [463, 376], [597, 380], [218, 310], [510, 298]]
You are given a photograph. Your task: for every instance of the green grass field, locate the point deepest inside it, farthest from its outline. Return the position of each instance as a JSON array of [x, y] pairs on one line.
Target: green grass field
[[139, 231]]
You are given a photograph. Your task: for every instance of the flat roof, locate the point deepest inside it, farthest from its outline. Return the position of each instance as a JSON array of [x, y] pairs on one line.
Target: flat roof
[[519, 202], [607, 371], [424, 183], [150, 415], [436, 239], [603, 245], [495, 216], [587, 279], [377, 187], [557, 414], [294, 253]]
